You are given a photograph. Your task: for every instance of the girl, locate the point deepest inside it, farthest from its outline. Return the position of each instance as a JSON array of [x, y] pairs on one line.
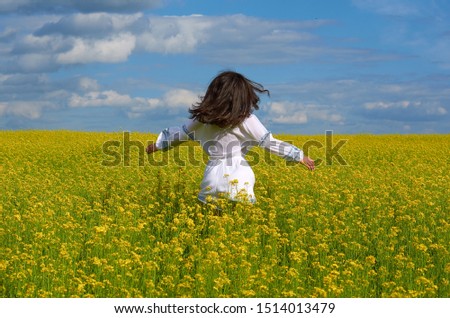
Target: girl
[[224, 124]]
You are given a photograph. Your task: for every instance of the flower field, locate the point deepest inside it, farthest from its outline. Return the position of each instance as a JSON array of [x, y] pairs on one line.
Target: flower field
[[75, 225]]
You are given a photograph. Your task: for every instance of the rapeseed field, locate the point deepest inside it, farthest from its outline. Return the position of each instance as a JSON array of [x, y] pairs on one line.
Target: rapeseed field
[[81, 219]]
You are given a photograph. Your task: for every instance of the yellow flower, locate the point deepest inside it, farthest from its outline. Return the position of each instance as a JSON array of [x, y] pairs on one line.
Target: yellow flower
[[370, 260]]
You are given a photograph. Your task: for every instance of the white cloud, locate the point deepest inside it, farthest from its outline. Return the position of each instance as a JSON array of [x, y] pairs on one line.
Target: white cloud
[[110, 50], [294, 118], [142, 106], [88, 84], [427, 108], [223, 37], [27, 109], [90, 25], [3, 107], [406, 111], [34, 43], [35, 63], [8, 34], [287, 112], [174, 99], [83, 38], [110, 38], [99, 99], [180, 98], [437, 111], [175, 34], [387, 104], [279, 108], [389, 7], [31, 96], [365, 105]]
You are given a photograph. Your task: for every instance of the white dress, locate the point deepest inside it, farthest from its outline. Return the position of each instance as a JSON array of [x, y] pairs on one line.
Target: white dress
[[227, 172]]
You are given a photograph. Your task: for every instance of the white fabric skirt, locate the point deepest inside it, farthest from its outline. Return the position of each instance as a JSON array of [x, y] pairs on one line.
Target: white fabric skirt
[[231, 178]]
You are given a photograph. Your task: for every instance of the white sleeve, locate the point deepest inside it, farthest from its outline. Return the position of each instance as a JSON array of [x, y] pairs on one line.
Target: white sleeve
[[173, 136], [264, 139]]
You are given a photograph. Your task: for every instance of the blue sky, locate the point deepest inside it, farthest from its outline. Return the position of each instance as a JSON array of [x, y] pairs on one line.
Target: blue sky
[[351, 66]]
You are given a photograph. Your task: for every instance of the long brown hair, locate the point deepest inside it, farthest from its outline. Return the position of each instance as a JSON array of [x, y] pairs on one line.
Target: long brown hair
[[229, 100]]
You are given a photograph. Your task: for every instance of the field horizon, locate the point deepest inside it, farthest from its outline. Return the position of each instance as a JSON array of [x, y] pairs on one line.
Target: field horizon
[[362, 133]]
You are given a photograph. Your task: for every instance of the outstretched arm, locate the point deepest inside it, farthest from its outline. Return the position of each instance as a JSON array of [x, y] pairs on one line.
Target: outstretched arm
[[172, 137], [285, 150], [281, 148]]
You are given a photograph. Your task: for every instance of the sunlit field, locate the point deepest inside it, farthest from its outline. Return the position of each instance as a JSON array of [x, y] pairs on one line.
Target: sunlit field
[[77, 221]]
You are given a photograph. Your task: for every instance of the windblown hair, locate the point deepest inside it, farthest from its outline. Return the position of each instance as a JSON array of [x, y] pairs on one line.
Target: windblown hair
[[229, 100]]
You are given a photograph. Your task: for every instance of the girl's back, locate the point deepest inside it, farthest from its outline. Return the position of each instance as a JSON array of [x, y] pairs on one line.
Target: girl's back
[[225, 143], [224, 125]]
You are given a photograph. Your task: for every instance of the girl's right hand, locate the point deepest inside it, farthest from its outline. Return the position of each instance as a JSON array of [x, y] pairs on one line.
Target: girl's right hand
[[151, 148], [308, 163]]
